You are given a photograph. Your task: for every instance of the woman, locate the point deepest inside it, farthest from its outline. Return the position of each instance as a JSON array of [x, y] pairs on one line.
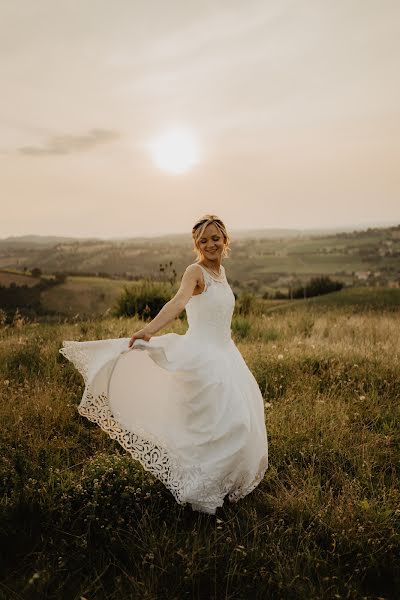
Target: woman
[[187, 406]]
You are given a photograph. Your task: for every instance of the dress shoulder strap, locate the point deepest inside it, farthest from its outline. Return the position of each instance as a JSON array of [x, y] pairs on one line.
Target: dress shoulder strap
[[206, 275]]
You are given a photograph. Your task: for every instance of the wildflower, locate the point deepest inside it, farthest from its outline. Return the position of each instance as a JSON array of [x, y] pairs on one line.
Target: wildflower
[[280, 356], [362, 397], [34, 576]]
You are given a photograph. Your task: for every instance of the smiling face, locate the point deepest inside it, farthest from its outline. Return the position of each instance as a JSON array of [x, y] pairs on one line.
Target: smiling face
[[211, 243]]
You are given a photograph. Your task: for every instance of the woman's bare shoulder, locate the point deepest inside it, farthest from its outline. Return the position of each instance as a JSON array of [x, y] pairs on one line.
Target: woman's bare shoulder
[[194, 267]]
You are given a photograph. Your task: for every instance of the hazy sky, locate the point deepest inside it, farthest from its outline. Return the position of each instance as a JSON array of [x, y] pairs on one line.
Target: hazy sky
[[295, 106]]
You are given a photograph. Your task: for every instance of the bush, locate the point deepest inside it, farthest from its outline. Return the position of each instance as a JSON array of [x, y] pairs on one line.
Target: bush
[[60, 277], [144, 300], [240, 327], [25, 298], [280, 295], [245, 304], [317, 286]]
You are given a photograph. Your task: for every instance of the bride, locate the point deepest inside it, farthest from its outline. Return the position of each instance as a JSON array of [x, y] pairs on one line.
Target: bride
[[186, 407]]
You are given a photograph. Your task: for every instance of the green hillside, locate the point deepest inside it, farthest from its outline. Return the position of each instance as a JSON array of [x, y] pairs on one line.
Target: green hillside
[[357, 300], [257, 261]]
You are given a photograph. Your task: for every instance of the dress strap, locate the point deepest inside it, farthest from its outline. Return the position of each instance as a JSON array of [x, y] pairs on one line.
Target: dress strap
[[208, 277]]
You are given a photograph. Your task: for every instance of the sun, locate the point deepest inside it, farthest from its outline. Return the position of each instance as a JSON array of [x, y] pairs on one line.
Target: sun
[[175, 151]]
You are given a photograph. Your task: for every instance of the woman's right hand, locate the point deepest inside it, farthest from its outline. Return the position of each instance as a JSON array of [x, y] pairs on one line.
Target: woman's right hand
[[139, 335]]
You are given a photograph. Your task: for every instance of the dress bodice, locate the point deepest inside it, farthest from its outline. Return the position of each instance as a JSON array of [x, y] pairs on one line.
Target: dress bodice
[[210, 313]]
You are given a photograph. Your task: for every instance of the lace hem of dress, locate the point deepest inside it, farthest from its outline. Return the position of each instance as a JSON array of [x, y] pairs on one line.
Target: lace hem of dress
[[187, 485]]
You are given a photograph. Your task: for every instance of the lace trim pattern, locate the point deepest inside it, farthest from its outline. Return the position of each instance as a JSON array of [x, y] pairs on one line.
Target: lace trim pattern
[[152, 455], [187, 485]]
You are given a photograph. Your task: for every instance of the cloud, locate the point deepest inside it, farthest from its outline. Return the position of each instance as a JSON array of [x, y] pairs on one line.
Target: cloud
[[67, 144]]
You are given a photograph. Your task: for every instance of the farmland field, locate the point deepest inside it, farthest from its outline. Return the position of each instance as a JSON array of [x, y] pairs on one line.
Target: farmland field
[[257, 259], [83, 295], [81, 519]]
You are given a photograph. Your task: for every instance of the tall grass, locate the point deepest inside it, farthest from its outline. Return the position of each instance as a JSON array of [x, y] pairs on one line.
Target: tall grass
[[80, 519]]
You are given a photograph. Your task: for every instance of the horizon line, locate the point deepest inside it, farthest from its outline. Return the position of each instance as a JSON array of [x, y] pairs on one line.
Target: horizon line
[[336, 228]]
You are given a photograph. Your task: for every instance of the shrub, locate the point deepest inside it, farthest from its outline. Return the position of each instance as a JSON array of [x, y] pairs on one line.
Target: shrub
[[280, 295], [60, 277], [144, 300], [317, 286], [22, 297], [240, 327], [245, 304]]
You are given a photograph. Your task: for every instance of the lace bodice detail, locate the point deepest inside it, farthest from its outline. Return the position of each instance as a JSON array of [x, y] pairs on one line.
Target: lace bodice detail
[[210, 313]]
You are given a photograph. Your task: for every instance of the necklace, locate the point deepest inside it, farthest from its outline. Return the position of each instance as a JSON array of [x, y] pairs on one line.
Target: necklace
[[217, 274]]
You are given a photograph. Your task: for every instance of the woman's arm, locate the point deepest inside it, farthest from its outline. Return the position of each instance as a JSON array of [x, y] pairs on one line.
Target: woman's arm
[[173, 307]]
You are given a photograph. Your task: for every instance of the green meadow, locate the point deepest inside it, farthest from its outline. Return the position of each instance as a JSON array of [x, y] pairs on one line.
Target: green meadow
[[81, 520]]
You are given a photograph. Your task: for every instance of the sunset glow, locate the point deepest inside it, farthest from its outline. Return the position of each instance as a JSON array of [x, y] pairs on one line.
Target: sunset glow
[[282, 115], [175, 151]]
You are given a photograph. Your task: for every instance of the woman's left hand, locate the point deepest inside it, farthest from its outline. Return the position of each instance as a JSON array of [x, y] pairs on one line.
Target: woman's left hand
[[139, 335]]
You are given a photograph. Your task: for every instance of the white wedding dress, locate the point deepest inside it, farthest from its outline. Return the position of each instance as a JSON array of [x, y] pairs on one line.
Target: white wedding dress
[[186, 407]]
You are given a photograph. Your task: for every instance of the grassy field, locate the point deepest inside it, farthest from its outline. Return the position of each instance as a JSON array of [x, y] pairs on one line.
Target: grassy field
[[80, 519]]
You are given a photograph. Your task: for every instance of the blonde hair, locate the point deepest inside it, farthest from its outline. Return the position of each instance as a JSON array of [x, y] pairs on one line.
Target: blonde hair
[[199, 228]]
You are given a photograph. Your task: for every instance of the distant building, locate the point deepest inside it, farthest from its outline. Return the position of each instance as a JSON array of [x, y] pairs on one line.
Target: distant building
[[285, 280], [362, 275]]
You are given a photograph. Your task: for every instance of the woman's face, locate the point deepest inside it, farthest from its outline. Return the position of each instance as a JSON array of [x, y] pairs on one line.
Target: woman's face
[[211, 243]]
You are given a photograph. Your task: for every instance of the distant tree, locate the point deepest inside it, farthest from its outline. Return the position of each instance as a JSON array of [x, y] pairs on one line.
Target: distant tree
[[317, 286], [60, 277], [280, 295], [36, 272]]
